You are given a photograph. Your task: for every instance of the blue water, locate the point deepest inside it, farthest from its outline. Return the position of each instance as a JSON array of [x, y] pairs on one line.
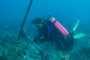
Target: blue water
[[12, 13], [67, 11]]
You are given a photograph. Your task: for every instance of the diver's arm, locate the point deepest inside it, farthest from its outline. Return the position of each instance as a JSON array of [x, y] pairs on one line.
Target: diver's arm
[[37, 38]]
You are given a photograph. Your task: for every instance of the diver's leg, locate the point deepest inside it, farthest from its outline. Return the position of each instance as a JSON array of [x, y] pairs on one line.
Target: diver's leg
[[60, 44], [65, 44]]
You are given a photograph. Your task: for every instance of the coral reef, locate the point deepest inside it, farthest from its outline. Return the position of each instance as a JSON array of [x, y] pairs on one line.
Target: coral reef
[[13, 49], [83, 54]]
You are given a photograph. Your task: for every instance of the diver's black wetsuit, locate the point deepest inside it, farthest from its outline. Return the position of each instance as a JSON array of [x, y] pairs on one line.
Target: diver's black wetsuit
[[55, 36]]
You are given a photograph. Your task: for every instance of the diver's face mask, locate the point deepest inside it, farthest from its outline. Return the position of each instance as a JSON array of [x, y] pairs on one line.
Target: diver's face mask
[[39, 25]]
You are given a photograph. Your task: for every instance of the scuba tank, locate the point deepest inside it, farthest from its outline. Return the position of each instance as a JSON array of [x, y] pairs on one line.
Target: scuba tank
[[58, 25]]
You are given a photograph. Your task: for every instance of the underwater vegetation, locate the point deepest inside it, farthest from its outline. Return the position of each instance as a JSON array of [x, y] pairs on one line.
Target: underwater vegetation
[[13, 49], [83, 54]]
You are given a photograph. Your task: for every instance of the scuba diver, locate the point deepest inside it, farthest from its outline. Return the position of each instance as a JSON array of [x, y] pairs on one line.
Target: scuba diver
[[51, 30]]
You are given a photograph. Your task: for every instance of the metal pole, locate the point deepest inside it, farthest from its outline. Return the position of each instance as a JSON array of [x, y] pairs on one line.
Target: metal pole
[[24, 19]]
